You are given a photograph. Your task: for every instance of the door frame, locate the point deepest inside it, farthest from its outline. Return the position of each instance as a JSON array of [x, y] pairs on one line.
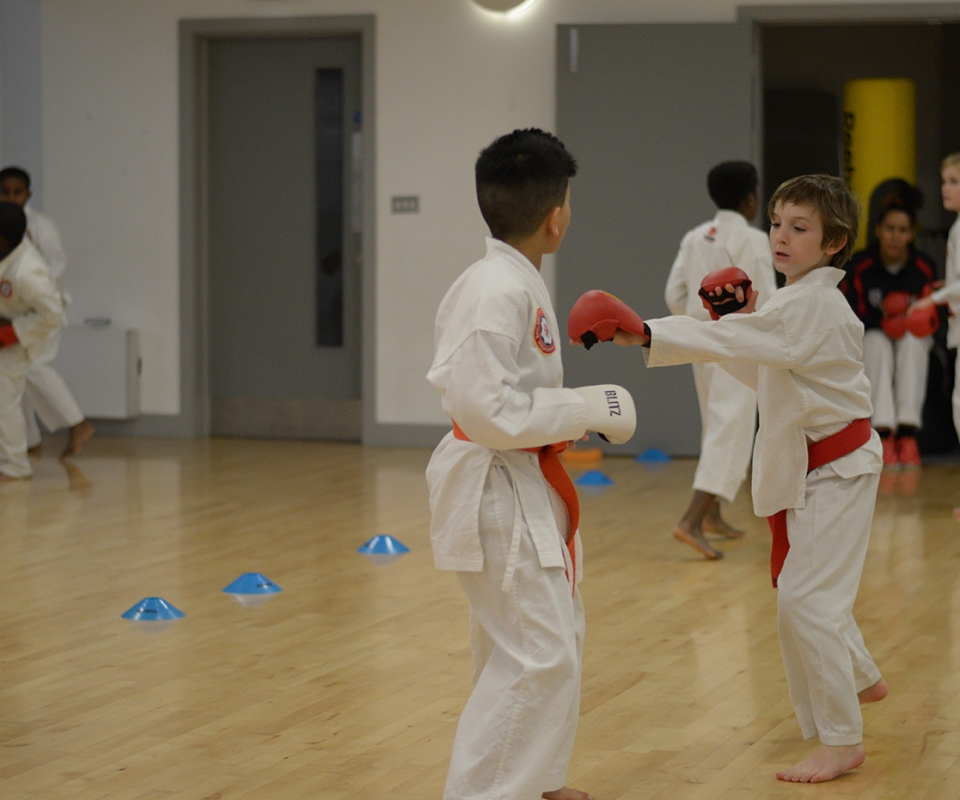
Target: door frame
[[854, 13], [195, 36]]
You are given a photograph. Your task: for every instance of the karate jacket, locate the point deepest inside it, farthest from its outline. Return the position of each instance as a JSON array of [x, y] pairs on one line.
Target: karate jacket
[[802, 353], [498, 370], [29, 297], [950, 292]]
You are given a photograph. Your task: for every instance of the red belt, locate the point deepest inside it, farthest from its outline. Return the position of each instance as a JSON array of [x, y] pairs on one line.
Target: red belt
[[557, 477], [851, 438]]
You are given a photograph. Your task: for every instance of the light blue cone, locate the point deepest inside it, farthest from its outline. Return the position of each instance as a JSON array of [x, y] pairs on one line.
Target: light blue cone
[[252, 583], [153, 609]]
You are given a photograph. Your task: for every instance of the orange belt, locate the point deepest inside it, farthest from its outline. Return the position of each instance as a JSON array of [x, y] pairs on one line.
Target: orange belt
[[851, 438], [557, 477]]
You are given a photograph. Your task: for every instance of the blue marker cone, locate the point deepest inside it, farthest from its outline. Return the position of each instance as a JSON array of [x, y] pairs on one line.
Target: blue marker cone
[[653, 456], [593, 482], [593, 477], [153, 614], [383, 549], [252, 589]]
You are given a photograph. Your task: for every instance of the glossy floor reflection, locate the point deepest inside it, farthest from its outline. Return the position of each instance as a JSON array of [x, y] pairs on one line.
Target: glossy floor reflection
[[349, 682]]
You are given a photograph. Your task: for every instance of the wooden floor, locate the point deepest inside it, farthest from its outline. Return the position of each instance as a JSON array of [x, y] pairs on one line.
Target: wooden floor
[[348, 684]]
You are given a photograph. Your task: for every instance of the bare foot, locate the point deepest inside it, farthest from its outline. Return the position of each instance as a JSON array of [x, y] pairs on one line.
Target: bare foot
[[566, 793], [79, 434], [697, 541], [714, 523], [875, 693], [825, 764], [36, 451], [956, 514], [6, 478]]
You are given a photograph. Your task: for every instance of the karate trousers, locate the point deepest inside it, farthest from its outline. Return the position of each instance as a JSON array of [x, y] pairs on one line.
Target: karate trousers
[[14, 363], [897, 371], [47, 396], [728, 417], [516, 732], [824, 656]]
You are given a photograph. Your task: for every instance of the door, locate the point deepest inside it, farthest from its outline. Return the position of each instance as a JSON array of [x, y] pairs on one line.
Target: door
[[646, 110], [284, 234]]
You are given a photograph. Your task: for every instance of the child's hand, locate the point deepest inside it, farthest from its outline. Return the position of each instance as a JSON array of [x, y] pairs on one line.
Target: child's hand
[[920, 304], [751, 306]]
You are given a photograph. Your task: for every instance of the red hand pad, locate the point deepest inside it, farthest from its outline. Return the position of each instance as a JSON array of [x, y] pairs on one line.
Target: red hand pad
[[726, 303]]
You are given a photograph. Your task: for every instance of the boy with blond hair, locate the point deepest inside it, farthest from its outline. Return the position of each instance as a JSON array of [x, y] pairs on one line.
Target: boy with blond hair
[[816, 462], [949, 293]]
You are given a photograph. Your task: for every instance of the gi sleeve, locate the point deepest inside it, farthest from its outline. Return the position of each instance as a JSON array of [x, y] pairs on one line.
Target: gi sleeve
[[760, 338], [481, 395], [45, 316]]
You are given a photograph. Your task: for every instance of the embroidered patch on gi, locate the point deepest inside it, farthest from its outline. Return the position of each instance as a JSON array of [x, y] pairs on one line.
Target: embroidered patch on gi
[[542, 335], [6, 288], [711, 234]]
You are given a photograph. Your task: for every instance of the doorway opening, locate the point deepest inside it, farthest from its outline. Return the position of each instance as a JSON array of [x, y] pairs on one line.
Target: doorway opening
[[804, 69]]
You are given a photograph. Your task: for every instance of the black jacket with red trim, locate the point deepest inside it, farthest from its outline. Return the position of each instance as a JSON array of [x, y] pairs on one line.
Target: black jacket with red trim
[[868, 282]]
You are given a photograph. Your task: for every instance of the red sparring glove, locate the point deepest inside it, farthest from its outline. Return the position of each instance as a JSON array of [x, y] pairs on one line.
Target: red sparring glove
[[923, 321], [894, 307], [597, 315], [727, 302], [896, 304], [8, 335]]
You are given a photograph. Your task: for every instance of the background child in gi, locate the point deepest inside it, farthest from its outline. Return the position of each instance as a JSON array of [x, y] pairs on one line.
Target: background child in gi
[[728, 409], [894, 360], [802, 352], [950, 292], [31, 312], [46, 393], [497, 520]]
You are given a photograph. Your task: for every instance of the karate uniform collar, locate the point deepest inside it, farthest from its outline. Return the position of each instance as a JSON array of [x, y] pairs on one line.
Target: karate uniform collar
[[14, 255], [726, 215], [821, 276], [497, 247]]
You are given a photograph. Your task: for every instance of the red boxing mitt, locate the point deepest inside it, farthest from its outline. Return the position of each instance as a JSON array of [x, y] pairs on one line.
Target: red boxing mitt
[[894, 307], [597, 315], [896, 304], [727, 302], [894, 327], [923, 321]]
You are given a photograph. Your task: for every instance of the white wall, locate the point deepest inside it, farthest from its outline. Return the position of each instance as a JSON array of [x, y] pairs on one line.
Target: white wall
[[450, 77]]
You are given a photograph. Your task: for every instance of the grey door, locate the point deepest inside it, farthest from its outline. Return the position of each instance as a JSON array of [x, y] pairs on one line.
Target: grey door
[[284, 234], [646, 110]]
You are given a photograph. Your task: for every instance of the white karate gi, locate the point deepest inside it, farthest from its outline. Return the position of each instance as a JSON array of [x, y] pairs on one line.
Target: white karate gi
[[499, 524], [46, 394], [950, 293], [29, 298], [802, 352], [897, 371], [728, 409]]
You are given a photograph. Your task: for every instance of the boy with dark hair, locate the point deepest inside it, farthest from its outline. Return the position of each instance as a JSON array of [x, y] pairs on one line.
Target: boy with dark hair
[[31, 312], [505, 513], [46, 393], [817, 461], [728, 409]]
